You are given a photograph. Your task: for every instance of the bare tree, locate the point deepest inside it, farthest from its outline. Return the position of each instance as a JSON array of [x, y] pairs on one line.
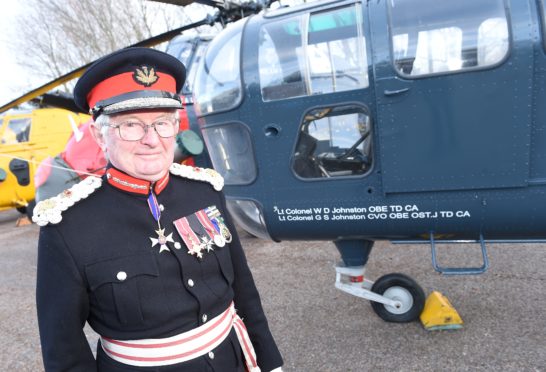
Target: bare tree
[[57, 36]]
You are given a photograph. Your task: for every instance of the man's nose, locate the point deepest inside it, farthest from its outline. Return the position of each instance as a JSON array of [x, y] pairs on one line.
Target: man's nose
[[150, 135]]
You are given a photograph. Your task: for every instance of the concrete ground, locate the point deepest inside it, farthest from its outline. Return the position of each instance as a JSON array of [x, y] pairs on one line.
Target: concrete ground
[[319, 328]]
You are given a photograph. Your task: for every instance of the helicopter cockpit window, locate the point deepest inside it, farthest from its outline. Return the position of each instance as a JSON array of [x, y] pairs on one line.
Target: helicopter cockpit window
[[189, 51], [231, 152], [192, 70], [542, 10], [333, 142], [218, 86], [181, 49], [17, 130], [280, 60], [317, 54], [468, 34]]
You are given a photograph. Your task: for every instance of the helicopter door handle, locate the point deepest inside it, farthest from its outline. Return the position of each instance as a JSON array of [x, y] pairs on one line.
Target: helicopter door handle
[[395, 92]]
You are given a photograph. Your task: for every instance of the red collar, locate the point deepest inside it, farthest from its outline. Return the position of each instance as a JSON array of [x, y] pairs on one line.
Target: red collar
[[128, 183]]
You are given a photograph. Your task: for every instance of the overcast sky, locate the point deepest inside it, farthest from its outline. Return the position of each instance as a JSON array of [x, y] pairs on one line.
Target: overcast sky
[[13, 79]]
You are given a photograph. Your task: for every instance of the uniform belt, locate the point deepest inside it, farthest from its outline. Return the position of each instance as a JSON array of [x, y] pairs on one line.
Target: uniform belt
[[184, 346]]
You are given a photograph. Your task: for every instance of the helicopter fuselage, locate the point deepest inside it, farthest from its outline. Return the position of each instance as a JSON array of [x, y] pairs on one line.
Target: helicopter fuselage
[[382, 120]]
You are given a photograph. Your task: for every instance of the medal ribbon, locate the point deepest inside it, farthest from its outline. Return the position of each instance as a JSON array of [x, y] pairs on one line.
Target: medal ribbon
[[190, 238], [212, 211], [213, 214], [207, 224], [154, 207]]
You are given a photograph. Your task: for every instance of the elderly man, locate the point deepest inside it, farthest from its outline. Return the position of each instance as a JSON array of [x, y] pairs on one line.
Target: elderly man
[[146, 254]]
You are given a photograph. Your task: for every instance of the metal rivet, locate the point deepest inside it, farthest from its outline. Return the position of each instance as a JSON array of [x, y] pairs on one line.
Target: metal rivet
[[204, 318], [190, 282], [211, 355], [122, 275]]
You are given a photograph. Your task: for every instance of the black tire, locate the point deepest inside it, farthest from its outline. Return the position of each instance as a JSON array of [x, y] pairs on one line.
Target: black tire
[[400, 287]]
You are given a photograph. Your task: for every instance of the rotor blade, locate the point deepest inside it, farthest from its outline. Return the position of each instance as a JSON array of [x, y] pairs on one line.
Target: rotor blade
[[175, 2], [212, 3], [60, 100], [44, 88], [209, 20], [166, 36]]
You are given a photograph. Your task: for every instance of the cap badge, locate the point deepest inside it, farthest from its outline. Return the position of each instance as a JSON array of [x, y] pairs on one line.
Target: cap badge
[[145, 75]]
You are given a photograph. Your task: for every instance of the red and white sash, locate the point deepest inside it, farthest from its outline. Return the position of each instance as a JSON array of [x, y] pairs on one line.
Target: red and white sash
[[184, 346]]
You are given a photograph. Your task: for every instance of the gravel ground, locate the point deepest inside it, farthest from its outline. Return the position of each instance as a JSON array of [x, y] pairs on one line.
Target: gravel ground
[[319, 328]]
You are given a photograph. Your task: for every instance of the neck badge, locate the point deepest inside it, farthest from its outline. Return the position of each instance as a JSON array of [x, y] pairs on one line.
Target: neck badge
[[161, 239]]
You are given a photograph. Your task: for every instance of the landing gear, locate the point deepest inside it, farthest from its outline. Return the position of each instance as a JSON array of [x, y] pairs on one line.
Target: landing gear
[[408, 295], [394, 297]]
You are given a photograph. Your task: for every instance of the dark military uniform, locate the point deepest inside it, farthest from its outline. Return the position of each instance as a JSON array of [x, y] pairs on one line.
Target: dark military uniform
[[98, 265]]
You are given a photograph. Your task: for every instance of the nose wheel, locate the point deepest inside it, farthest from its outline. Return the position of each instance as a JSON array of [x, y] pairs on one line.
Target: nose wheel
[[408, 298]]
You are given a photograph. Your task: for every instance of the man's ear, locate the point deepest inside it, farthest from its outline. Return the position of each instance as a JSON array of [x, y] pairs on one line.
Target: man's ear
[[98, 137]]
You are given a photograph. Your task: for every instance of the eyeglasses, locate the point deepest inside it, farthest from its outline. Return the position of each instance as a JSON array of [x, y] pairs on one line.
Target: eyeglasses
[[136, 130]]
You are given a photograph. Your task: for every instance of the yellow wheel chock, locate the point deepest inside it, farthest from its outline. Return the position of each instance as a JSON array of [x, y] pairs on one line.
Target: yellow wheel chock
[[439, 314]]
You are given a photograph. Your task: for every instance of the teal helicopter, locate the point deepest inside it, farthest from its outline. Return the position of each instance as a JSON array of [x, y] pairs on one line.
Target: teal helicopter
[[414, 121]]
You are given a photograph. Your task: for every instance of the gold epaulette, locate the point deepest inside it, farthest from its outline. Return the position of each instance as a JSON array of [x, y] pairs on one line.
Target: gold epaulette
[[50, 210], [199, 174]]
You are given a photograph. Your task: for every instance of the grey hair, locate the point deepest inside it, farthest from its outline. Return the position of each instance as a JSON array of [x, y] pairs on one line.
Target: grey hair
[[102, 122]]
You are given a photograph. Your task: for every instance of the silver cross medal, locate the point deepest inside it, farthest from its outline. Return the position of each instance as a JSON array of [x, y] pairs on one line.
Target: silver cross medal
[[196, 249], [162, 240], [207, 244]]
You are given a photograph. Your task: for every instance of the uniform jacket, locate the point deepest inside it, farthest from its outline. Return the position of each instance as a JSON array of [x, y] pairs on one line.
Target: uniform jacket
[[161, 294]]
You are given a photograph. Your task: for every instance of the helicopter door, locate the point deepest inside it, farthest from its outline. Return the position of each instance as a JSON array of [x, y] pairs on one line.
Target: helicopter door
[[453, 95], [313, 72]]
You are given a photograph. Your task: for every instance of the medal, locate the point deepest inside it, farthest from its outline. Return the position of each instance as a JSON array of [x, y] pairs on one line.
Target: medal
[[207, 243], [217, 221], [161, 239], [210, 229], [190, 238], [196, 250], [225, 233], [202, 231], [219, 240]]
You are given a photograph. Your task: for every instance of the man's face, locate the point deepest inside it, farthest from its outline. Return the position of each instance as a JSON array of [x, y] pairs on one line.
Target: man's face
[[149, 158]]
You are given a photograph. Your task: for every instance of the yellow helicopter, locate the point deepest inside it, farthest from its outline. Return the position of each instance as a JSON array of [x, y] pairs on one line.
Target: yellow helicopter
[[26, 139]]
